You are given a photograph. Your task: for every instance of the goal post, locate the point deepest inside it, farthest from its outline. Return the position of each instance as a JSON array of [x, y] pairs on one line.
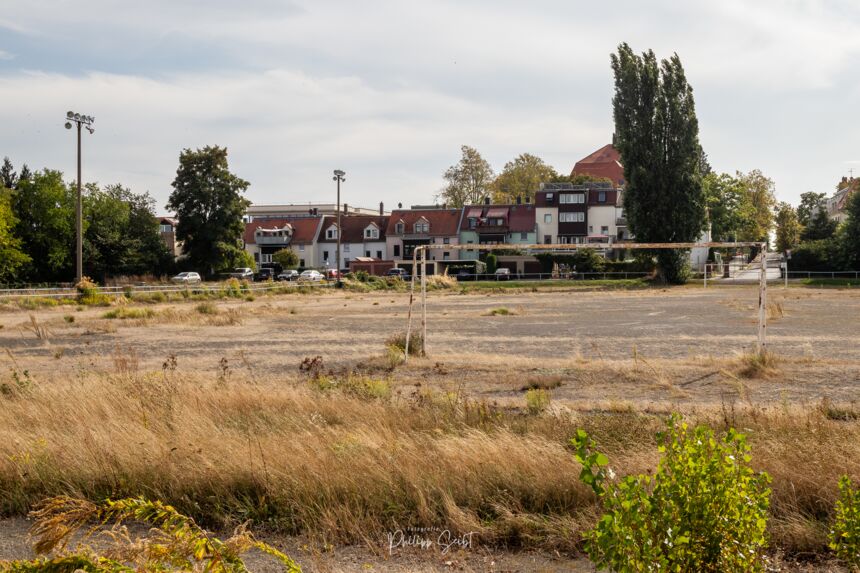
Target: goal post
[[569, 248]]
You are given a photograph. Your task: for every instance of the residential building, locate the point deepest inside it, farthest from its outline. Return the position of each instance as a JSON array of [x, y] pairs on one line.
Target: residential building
[[287, 211], [837, 205], [409, 228], [362, 236], [167, 229], [605, 162], [265, 237], [580, 214], [497, 224]]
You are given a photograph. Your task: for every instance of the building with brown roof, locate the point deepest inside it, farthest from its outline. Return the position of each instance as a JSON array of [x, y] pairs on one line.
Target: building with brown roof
[[167, 230], [361, 236], [605, 162], [264, 237], [409, 228], [497, 224]]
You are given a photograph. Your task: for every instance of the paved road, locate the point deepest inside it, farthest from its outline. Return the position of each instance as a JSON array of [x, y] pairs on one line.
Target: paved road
[[753, 272]]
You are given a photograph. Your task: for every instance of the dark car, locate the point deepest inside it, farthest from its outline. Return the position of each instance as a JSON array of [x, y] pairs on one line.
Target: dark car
[[289, 275], [400, 273], [465, 275], [265, 274]]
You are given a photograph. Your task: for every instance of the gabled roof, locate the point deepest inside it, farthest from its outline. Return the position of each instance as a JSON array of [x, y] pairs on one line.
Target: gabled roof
[[353, 227], [520, 218], [304, 228], [605, 162], [443, 222]]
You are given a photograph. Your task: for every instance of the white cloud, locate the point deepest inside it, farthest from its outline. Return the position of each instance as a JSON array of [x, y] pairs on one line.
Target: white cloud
[[6, 55]]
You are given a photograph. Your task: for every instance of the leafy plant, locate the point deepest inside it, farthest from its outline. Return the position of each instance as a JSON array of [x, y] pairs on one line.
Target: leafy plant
[[845, 535], [175, 542], [537, 400], [703, 510], [398, 341]]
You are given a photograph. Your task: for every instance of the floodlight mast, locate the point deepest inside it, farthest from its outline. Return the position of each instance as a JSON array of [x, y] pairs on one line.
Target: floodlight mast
[[339, 176], [81, 121]]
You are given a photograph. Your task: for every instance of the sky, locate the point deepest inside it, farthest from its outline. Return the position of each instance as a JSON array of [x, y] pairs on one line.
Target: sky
[[388, 90]]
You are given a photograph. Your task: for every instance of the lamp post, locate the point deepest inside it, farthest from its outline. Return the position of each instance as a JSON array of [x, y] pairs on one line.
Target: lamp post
[[81, 121], [339, 177]]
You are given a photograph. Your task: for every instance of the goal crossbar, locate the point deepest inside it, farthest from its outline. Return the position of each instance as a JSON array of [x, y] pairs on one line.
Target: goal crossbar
[[422, 251]]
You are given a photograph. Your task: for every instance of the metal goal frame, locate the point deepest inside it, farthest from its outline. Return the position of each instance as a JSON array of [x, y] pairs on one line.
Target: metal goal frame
[[761, 343]]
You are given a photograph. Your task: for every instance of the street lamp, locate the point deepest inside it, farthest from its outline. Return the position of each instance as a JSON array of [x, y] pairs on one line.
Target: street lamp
[[81, 121], [339, 177]]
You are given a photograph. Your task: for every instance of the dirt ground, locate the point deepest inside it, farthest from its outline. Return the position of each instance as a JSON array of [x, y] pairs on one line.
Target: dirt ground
[[595, 349]]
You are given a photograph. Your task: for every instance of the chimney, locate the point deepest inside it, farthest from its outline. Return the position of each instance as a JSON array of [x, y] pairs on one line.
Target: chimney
[[345, 208], [486, 200], [400, 205], [519, 200], [381, 208]]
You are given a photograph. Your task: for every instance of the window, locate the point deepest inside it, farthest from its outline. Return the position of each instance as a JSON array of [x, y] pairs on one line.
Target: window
[[366, 253], [371, 233], [446, 255], [590, 229], [547, 218], [346, 247], [396, 250], [524, 236], [568, 198], [266, 257], [331, 233], [422, 226], [398, 228], [257, 257], [547, 239], [378, 255], [446, 241], [301, 262], [165, 228], [604, 230], [473, 222], [550, 197], [325, 255], [571, 217], [302, 248], [601, 197]]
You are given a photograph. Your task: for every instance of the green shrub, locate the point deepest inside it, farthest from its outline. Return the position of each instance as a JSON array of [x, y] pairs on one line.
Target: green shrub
[[124, 312], [207, 308], [537, 400], [501, 311], [704, 510], [492, 263], [88, 293], [845, 535]]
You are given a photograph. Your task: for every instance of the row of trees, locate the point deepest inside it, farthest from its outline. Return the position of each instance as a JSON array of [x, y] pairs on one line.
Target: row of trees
[[37, 229], [817, 242]]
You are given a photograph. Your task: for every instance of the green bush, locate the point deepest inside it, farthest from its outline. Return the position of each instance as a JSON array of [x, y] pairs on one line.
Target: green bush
[[704, 509], [416, 343], [492, 263], [845, 535], [823, 255], [537, 400]]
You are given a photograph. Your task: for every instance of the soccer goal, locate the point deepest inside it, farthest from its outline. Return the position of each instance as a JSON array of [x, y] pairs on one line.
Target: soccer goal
[[419, 257]]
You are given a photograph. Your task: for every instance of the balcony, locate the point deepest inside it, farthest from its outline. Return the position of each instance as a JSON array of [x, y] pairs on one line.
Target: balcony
[[491, 230], [267, 240], [621, 221]]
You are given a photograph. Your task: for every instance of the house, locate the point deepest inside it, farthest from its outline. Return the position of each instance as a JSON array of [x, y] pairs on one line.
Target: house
[[167, 230], [409, 228], [497, 224], [605, 162], [837, 206], [360, 236], [591, 214], [264, 237]]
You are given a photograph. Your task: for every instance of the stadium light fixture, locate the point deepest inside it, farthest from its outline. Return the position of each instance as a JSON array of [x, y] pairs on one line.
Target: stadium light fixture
[[339, 176], [81, 121]]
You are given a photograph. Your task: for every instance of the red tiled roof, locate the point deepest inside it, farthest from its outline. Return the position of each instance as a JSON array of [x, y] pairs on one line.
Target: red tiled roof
[[520, 218], [605, 162], [304, 229], [443, 222], [497, 211], [353, 227]]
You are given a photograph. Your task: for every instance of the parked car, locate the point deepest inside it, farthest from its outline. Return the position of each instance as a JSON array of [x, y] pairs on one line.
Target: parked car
[[503, 274], [311, 275], [265, 274], [242, 273], [289, 275], [331, 274], [398, 272], [465, 275], [187, 278]]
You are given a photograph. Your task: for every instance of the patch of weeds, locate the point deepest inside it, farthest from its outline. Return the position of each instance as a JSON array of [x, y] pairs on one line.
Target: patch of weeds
[[837, 413], [250, 298], [398, 341], [40, 330], [124, 313], [758, 364], [537, 400], [845, 535], [206, 308], [541, 383], [501, 311], [58, 353]]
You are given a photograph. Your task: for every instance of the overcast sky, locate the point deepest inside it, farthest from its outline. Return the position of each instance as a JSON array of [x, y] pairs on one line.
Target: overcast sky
[[389, 90]]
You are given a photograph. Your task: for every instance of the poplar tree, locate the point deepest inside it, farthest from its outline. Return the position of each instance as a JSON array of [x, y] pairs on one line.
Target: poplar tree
[[657, 134]]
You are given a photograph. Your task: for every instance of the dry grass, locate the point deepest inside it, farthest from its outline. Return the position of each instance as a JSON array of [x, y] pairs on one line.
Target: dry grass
[[344, 466]]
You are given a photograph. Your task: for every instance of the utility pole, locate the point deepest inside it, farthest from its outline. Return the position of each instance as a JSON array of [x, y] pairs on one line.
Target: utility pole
[[339, 176], [81, 121]]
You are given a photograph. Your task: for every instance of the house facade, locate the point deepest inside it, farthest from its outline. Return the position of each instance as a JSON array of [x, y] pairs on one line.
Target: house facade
[[590, 214], [361, 236], [409, 228], [264, 237], [167, 230], [497, 224], [837, 205]]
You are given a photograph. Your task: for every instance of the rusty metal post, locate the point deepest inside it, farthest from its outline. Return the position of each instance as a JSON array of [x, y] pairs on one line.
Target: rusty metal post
[[424, 302], [411, 299], [762, 302]]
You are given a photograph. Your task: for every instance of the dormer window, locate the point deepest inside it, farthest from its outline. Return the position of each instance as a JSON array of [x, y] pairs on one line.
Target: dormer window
[[371, 232], [473, 222], [398, 228], [422, 226], [331, 232]]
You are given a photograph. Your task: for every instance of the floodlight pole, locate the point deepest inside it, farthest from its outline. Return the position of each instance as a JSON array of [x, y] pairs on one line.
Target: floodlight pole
[[762, 302], [81, 121], [338, 176]]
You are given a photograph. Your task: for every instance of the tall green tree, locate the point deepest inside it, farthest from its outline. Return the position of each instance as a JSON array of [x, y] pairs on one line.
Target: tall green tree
[[787, 228], [25, 174], [757, 207], [724, 198], [12, 258], [657, 134], [8, 177], [521, 178], [45, 209], [469, 181], [850, 233], [810, 203], [820, 226], [207, 199]]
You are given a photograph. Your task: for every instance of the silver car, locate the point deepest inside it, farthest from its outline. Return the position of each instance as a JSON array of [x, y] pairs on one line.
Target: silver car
[[187, 278]]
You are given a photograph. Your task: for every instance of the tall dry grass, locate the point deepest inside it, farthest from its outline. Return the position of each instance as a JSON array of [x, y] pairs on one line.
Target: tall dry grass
[[345, 468]]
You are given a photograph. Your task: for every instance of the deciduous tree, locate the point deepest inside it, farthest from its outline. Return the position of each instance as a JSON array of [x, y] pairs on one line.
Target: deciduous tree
[[657, 134], [287, 258], [12, 258], [787, 228], [207, 199], [757, 207], [521, 178], [850, 233], [469, 181], [810, 203]]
